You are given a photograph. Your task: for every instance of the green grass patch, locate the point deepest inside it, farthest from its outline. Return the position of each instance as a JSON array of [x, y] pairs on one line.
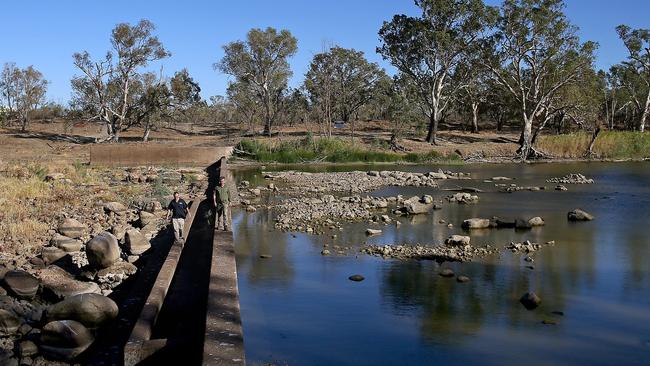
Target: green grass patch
[[331, 150]]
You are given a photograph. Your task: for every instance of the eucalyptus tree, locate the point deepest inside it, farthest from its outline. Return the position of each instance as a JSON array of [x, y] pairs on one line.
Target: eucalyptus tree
[[637, 42], [628, 90], [105, 86], [248, 106], [344, 80], [535, 52], [261, 64], [429, 48], [24, 91]]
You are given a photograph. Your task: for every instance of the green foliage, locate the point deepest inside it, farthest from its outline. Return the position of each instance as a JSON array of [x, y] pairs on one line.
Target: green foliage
[[330, 150], [159, 190], [38, 170]]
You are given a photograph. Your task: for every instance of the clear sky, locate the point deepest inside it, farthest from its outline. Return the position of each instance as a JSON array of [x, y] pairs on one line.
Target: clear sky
[[46, 33]]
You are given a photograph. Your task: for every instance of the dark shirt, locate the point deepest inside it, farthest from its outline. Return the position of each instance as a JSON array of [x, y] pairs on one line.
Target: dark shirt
[[178, 209]]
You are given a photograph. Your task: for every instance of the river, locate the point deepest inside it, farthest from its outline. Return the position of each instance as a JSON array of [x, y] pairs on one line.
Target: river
[[299, 308]]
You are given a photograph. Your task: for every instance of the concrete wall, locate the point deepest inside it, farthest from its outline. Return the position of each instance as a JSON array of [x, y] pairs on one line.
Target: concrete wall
[[149, 154]]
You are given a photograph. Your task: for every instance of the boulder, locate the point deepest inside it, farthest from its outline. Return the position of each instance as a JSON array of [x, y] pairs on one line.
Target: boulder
[[463, 197], [458, 240], [522, 224], [9, 323], [21, 284], [102, 250], [462, 279], [502, 223], [64, 339], [536, 221], [476, 223], [579, 215], [59, 284], [26, 349], [146, 218], [356, 278], [256, 191], [437, 175], [446, 272], [136, 243], [530, 300], [153, 206], [119, 231], [91, 310], [373, 232], [66, 243], [72, 228], [114, 207], [123, 269], [427, 199], [415, 206], [52, 254]]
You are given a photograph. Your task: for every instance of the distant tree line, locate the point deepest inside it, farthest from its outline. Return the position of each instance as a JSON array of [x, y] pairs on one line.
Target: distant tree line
[[459, 63]]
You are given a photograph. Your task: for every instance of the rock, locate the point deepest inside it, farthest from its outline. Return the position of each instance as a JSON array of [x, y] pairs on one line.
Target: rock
[[54, 176], [414, 206], [255, 191], [462, 279], [102, 250], [146, 218], [457, 240], [65, 243], [136, 243], [476, 223], [522, 224], [536, 221], [72, 228], [59, 284], [502, 223], [92, 310], [64, 340], [373, 232], [9, 323], [530, 300], [437, 175], [579, 215], [26, 349], [52, 254], [119, 231], [560, 187], [325, 252], [123, 269], [446, 272], [427, 199], [265, 256], [21, 284], [114, 207], [251, 209], [132, 258], [500, 178], [463, 198], [153, 206], [356, 278]]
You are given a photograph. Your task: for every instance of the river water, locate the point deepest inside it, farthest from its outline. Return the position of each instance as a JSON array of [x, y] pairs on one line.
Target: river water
[[299, 308]]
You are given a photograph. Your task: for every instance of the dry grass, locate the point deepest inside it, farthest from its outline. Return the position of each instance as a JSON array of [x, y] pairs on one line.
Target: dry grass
[[609, 145]]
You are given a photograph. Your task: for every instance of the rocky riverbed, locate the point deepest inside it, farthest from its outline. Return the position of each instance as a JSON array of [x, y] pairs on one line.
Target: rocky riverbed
[[441, 253], [55, 286]]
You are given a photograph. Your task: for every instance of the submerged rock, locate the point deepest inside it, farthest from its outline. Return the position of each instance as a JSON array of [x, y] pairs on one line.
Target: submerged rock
[[530, 300], [462, 279], [373, 232], [356, 278], [476, 223], [446, 272], [579, 215]]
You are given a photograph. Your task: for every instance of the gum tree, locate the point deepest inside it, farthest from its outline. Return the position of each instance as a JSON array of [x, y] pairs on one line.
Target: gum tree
[[535, 53], [261, 64], [429, 48], [105, 86], [637, 42]]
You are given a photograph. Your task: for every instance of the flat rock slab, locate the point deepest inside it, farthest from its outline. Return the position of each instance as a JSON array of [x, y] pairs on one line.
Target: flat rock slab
[[21, 284], [60, 284]]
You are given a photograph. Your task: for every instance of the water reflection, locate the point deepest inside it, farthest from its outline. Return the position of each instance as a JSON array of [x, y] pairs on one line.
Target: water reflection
[[299, 308]]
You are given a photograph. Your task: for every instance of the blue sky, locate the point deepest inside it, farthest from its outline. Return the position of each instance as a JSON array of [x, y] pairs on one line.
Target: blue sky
[[46, 33]]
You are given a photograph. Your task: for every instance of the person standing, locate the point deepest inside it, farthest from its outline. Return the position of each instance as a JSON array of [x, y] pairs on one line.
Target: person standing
[[221, 198], [177, 210]]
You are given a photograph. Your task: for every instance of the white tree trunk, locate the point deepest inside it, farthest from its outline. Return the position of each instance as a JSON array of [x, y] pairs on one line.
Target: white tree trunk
[[646, 110]]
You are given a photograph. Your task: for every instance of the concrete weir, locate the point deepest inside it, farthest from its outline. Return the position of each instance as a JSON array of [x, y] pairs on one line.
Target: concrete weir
[[192, 314]]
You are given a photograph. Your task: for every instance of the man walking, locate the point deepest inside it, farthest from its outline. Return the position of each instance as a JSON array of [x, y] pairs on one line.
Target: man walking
[[221, 198], [178, 211]]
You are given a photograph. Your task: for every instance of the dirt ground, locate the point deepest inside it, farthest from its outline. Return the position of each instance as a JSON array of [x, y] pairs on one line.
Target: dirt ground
[[54, 141]]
